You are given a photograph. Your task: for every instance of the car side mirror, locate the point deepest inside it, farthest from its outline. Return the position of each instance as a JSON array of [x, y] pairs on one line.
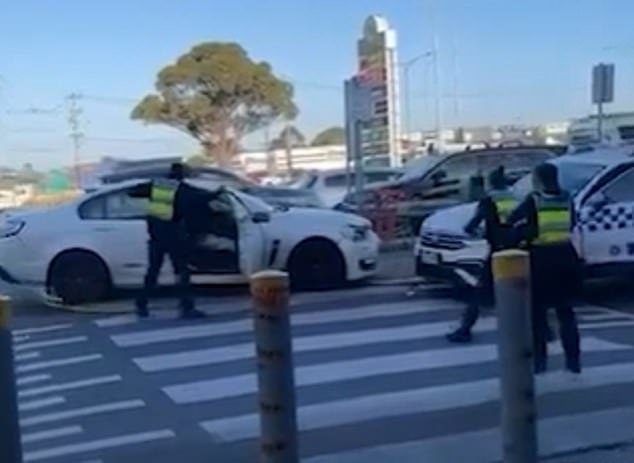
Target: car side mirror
[[260, 217]]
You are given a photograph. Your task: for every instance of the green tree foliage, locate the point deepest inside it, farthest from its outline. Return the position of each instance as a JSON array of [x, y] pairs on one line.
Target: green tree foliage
[[217, 94], [330, 136], [295, 138]]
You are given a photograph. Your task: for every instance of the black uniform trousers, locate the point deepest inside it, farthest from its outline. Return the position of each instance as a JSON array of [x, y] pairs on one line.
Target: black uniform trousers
[[555, 280], [176, 249]]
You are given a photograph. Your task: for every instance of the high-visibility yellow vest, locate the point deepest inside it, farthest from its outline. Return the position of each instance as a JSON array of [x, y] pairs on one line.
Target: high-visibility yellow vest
[[504, 207], [161, 205], [554, 219]]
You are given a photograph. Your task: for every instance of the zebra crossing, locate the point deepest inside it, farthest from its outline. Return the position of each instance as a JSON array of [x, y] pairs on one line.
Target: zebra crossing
[[376, 381]]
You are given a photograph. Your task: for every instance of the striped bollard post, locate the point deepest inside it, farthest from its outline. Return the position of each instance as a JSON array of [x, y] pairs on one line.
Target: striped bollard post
[[276, 382], [10, 444], [511, 271]]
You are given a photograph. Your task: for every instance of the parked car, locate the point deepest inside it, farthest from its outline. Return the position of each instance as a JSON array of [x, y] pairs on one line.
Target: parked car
[[276, 196], [602, 185], [331, 186], [432, 182], [81, 250]]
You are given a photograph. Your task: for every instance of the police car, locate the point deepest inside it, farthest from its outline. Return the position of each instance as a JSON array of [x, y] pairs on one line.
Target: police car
[[81, 250], [602, 185]]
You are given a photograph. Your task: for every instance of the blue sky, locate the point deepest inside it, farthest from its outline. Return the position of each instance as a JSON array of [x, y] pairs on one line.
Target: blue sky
[[507, 60]]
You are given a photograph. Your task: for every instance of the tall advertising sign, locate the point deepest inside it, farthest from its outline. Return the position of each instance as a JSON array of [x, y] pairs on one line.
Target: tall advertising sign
[[377, 70]]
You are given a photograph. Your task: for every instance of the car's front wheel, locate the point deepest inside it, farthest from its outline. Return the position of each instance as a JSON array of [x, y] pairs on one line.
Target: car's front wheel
[[317, 264], [78, 277]]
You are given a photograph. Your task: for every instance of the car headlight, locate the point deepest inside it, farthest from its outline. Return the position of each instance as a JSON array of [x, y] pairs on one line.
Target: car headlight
[[355, 232], [10, 227]]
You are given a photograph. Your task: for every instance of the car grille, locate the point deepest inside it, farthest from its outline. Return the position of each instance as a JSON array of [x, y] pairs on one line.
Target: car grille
[[441, 241]]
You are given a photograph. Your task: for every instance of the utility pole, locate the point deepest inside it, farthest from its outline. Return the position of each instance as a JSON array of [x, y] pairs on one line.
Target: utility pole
[[289, 149], [406, 66], [76, 135]]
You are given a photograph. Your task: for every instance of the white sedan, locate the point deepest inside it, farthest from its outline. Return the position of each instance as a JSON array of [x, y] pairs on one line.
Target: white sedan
[[83, 249]]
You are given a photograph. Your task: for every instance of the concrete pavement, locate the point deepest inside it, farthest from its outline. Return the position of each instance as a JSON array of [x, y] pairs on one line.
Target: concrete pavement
[[376, 382]]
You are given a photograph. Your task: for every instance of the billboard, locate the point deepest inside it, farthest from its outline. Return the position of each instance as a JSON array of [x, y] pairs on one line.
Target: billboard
[[376, 52]]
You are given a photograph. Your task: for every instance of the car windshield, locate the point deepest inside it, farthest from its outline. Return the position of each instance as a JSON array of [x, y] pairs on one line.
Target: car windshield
[[419, 166], [573, 176]]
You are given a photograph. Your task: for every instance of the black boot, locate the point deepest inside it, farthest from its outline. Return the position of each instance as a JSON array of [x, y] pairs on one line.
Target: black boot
[[460, 336]]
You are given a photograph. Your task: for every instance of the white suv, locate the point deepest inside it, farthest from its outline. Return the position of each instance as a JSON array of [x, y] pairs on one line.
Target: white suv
[[602, 183]]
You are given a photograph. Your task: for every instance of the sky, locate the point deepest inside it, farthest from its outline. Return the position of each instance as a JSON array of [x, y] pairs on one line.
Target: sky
[[500, 61]]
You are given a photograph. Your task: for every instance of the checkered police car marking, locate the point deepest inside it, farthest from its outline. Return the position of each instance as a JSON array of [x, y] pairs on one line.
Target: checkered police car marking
[[611, 217]]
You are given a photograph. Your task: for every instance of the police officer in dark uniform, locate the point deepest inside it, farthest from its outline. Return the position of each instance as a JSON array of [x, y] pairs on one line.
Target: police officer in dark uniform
[[168, 205], [492, 210], [545, 220]]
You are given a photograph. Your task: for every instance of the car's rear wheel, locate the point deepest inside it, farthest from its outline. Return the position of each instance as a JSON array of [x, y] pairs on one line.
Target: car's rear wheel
[[78, 277], [317, 264]]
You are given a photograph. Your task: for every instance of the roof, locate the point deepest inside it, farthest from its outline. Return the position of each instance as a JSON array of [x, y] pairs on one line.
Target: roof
[[605, 156]]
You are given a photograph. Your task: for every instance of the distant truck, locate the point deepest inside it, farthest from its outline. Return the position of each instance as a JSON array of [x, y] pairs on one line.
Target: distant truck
[[618, 131]]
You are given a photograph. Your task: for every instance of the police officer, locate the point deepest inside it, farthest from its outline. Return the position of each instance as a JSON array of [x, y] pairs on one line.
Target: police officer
[[545, 220], [492, 210], [166, 229]]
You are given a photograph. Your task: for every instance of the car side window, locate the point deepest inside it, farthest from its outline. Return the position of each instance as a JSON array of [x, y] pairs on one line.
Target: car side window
[[116, 205], [337, 181], [622, 189]]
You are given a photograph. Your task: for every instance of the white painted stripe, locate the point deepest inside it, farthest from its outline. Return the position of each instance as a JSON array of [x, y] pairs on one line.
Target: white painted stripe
[[69, 386], [18, 339], [41, 403], [310, 318], [595, 325], [234, 386], [303, 344], [243, 304], [436, 398], [597, 317], [42, 329], [101, 444], [555, 435], [27, 356], [51, 434], [57, 363], [25, 380], [86, 411], [51, 343]]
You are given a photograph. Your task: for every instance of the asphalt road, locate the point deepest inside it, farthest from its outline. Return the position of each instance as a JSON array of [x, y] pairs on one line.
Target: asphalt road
[[376, 382]]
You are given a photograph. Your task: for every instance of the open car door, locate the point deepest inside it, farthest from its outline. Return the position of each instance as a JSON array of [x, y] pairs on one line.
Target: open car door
[[251, 236]]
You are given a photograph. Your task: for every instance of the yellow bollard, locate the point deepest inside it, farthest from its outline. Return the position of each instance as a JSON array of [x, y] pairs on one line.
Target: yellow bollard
[[10, 442], [276, 379], [511, 273]]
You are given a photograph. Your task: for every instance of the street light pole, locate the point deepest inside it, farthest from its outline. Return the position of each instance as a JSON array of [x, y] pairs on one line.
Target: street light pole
[[406, 66]]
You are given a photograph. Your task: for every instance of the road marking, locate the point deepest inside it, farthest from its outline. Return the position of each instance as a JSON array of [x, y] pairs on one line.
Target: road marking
[[69, 386], [57, 363], [300, 319], [86, 411], [597, 317], [41, 403], [51, 434], [27, 356], [51, 343], [244, 351], [42, 329], [561, 434], [100, 444], [18, 339], [235, 386], [424, 400], [24, 380]]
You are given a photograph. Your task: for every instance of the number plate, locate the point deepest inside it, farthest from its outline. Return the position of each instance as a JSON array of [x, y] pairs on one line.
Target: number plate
[[427, 257]]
